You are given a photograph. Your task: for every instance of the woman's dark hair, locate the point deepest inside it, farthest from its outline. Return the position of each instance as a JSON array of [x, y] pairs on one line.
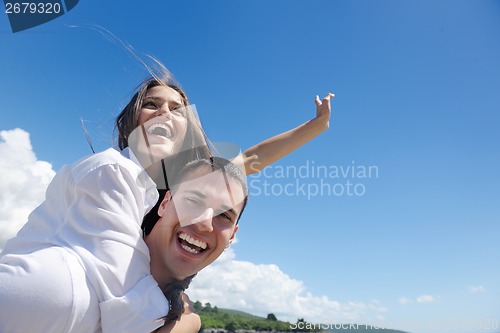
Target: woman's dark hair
[[173, 293]]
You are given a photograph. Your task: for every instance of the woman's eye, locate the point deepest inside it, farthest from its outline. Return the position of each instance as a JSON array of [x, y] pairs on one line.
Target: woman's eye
[[179, 111], [150, 105]]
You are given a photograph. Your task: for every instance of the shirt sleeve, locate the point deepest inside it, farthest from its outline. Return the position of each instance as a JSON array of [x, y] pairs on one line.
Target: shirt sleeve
[[103, 227], [133, 304]]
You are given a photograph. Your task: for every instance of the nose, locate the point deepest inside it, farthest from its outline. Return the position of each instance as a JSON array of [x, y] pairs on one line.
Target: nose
[[164, 110], [204, 220]]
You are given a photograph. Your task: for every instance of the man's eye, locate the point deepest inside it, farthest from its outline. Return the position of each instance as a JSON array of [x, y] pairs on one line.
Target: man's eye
[[192, 201], [225, 217]]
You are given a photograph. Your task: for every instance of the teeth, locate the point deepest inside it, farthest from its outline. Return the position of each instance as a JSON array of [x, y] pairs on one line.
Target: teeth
[[166, 128], [193, 241], [187, 248]]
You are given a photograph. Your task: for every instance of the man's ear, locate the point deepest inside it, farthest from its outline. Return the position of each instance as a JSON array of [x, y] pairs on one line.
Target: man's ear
[[163, 205], [234, 233]]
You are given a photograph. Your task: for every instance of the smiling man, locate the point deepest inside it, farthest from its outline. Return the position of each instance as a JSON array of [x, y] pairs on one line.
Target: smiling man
[[198, 220], [199, 217]]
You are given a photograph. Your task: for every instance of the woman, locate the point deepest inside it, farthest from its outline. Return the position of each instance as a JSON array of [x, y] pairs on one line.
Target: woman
[[80, 263]]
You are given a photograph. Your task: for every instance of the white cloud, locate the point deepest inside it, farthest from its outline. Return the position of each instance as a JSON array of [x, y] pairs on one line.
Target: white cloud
[[477, 289], [404, 300], [263, 288], [423, 299], [23, 184], [426, 299]]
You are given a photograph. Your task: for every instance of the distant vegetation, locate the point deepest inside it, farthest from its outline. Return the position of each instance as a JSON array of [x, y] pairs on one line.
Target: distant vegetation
[[232, 320]]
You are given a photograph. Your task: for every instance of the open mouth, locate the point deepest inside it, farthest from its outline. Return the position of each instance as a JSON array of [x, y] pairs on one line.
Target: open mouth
[[190, 244], [160, 130]]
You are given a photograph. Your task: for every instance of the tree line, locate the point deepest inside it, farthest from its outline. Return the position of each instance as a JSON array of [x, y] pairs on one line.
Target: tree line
[[213, 317]]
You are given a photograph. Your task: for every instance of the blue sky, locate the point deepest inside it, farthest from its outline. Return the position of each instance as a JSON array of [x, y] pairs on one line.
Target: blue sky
[[417, 97]]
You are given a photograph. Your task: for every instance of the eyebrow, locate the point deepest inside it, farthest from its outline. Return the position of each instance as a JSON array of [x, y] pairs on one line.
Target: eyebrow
[[224, 208], [177, 103]]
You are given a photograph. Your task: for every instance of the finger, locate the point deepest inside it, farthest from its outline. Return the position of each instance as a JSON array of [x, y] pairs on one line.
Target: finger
[[328, 96], [317, 101]]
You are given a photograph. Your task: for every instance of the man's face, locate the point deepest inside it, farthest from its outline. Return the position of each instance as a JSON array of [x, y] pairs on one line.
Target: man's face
[[198, 221]]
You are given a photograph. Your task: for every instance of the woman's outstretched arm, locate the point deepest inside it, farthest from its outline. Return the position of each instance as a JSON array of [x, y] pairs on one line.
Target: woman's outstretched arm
[[269, 151]]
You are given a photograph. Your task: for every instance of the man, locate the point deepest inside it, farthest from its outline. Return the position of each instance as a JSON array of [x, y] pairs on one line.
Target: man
[[198, 220]]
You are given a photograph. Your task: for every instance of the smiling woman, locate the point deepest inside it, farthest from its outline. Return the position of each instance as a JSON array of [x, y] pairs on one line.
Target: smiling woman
[[159, 123]]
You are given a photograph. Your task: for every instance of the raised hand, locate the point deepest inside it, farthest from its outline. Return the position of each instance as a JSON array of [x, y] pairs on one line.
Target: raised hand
[[323, 108]]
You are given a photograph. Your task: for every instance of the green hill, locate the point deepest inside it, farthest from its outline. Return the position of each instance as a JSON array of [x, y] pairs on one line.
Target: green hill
[[232, 320]]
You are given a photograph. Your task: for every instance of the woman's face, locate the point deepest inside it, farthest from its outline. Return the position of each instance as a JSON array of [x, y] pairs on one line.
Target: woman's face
[[162, 126]]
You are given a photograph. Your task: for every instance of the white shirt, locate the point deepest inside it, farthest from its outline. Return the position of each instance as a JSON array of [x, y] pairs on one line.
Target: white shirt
[[94, 209]]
